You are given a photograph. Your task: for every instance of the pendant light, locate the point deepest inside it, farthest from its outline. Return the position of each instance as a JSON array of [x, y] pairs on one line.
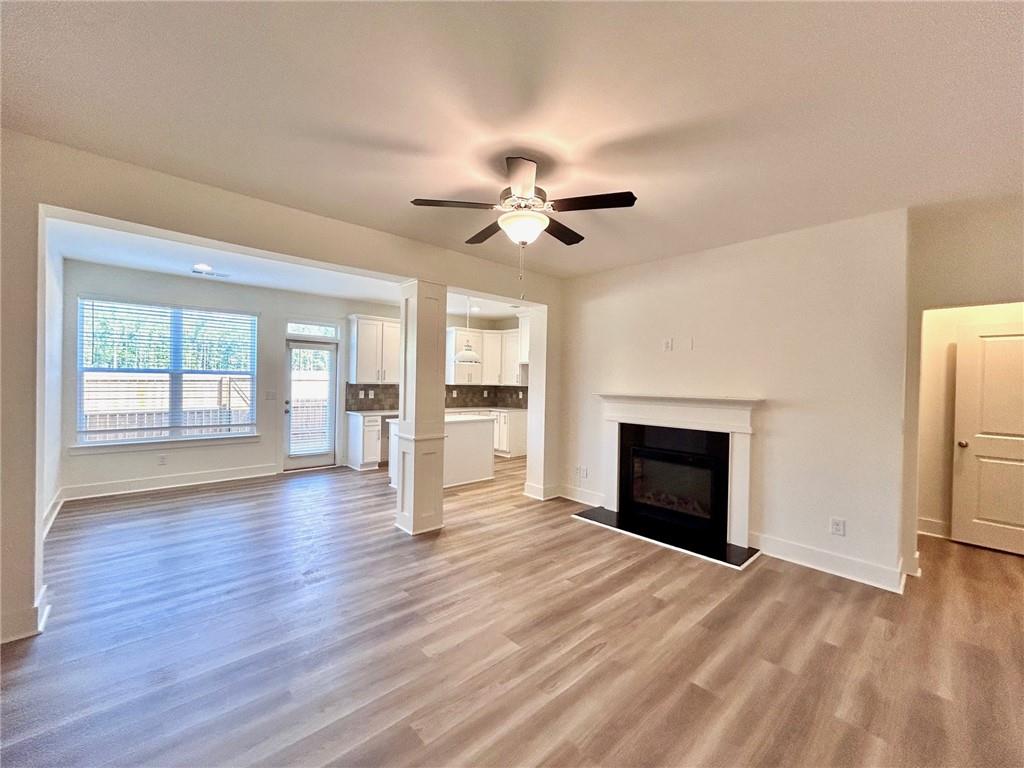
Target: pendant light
[[466, 354]]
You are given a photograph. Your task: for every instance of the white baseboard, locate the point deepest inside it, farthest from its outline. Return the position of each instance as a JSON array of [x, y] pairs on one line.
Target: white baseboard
[[582, 495], [541, 493], [21, 624], [161, 482], [874, 574], [52, 511], [931, 527]]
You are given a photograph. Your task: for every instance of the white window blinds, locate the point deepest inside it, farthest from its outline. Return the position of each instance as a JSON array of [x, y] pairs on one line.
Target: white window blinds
[[163, 373]]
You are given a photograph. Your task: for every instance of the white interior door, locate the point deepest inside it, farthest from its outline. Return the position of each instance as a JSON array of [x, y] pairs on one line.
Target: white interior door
[[310, 410], [988, 464]]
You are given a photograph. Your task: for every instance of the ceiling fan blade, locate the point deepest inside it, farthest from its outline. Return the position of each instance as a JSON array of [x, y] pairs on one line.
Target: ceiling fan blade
[[483, 234], [589, 202], [451, 204], [522, 176], [559, 231]]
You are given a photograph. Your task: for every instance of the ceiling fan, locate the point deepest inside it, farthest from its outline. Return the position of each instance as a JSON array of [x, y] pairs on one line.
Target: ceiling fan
[[525, 207]]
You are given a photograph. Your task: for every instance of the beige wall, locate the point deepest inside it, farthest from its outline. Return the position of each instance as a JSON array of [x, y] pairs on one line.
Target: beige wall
[[36, 172], [98, 470], [937, 406], [814, 322], [960, 254]]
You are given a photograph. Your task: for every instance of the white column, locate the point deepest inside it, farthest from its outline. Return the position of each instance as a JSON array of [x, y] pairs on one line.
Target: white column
[[420, 455]]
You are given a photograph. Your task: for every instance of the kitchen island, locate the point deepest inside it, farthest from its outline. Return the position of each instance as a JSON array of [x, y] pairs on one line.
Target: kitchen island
[[468, 449]]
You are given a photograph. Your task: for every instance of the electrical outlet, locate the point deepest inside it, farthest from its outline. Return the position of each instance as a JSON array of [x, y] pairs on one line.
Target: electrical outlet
[[485, 393], [161, 459], [837, 526], [520, 395], [362, 393], [576, 472], [586, 472], [371, 394], [455, 393]]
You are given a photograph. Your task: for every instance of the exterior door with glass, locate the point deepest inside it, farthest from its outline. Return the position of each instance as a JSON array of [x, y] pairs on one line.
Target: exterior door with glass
[[310, 406]]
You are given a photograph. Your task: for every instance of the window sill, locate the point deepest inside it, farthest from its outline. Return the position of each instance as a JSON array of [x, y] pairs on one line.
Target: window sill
[[159, 445]]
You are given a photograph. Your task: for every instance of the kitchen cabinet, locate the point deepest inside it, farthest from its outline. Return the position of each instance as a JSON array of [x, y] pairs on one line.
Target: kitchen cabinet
[[462, 373], [510, 358], [524, 339], [490, 369], [510, 432], [374, 349], [367, 440]]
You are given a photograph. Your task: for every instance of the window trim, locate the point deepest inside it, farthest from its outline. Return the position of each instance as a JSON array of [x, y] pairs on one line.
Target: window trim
[[79, 446], [335, 324]]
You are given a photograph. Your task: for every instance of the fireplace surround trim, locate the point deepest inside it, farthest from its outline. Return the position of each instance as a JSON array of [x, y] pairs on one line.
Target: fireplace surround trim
[[731, 415]]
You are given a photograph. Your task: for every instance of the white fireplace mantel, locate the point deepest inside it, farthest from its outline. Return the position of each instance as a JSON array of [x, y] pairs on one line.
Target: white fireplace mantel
[[732, 415]]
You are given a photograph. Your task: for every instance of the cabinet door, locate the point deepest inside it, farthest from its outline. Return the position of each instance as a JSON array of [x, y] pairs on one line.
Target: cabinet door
[[467, 373], [371, 444], [490, 371], [390, 351], [524, 340], [497, 428], [503, 432], [367, 351], [510, 358]]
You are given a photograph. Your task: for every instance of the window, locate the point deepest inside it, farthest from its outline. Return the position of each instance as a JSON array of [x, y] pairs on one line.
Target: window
[[163, 373], [313, 330]]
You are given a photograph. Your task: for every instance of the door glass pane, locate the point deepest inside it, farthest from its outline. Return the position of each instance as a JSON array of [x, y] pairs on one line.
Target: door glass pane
[[311, 427]]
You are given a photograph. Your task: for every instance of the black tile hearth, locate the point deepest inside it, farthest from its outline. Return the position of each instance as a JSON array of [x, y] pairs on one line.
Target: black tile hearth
[[660, 532]]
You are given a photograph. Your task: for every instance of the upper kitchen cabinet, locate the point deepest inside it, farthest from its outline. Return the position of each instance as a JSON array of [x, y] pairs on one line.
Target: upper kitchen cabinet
[[463, 373], [374, 349], [510, 358], [491, 358], [524, 339]]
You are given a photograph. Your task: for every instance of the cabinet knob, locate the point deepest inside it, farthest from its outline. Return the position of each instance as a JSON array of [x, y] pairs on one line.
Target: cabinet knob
[[962, 443]]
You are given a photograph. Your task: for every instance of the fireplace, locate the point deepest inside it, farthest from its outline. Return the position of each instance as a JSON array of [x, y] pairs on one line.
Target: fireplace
[[674, 488]]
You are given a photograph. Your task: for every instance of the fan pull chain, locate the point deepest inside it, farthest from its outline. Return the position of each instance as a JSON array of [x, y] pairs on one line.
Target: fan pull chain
[[522, 258]]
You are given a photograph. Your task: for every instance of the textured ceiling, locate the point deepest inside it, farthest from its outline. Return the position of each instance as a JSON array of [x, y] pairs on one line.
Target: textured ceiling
[[729, 121]]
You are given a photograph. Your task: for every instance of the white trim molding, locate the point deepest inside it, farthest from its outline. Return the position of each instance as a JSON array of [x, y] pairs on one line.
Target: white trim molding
[[931, 527], [582, 495], [160, 482], [873, 574], [26, 623], [542, 493], [731, 415]]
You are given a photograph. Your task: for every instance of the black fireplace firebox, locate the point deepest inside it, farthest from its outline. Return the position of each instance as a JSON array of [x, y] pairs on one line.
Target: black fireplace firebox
[[674, 489]]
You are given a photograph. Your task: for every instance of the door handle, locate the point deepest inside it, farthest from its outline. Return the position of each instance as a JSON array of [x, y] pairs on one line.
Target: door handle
[[962, 443]]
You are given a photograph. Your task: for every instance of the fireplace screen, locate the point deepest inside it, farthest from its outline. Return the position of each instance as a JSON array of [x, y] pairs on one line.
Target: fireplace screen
[[671, 486]]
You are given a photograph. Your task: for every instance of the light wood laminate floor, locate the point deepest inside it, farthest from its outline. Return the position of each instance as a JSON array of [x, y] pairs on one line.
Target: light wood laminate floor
[[284, 621]]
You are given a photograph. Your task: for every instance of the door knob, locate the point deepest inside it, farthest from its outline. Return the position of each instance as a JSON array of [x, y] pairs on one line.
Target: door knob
[[962, 443], [287, 410]]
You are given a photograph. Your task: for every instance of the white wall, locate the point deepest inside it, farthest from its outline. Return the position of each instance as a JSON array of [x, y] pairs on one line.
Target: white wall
[[965, 253], [98, 470], [938, 406], [37, 172], [813, 321]]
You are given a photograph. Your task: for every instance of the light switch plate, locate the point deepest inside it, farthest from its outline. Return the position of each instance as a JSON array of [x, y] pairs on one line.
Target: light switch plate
[[371, 394], [362, 393]]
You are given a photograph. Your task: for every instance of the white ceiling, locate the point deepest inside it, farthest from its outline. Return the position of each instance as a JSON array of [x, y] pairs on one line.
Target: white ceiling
[[729, 121], [101, 245]]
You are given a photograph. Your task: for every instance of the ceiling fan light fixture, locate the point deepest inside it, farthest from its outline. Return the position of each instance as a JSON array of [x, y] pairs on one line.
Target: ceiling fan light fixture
[[523, 226]]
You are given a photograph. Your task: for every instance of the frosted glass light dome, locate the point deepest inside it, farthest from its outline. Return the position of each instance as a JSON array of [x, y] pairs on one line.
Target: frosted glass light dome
[[523, 226]]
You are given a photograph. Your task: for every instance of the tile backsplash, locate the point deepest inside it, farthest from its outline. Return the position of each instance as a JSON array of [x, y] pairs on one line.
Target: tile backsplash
[[385, 396], [472, 396]]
